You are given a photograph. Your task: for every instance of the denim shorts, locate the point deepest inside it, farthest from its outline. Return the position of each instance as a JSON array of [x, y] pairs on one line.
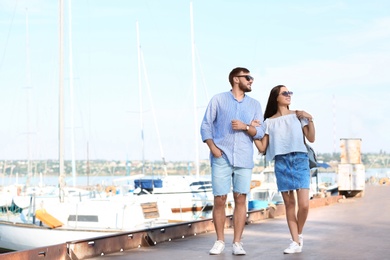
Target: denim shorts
[[292, 171], [223, 175]]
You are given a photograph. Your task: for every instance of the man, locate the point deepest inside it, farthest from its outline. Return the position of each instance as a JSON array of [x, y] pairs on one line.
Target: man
[[227, 131]]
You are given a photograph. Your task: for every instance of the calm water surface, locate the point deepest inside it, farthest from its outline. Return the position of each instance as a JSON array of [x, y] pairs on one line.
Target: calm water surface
[[108, 180]]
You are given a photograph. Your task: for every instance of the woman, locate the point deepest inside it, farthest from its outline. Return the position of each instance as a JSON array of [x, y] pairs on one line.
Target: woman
[[285, 133]]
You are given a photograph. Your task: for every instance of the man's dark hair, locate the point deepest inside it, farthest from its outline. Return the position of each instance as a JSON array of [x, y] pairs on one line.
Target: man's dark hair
[[235, 72]]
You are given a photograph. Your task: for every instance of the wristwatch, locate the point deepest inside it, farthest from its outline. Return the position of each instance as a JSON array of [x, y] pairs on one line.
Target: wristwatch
[[247, 127]]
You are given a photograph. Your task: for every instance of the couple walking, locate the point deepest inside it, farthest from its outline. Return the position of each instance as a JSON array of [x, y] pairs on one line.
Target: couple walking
[[233, 121]]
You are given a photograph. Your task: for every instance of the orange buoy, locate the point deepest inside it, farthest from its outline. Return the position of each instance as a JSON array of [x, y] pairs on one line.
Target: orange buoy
[[110, 190]]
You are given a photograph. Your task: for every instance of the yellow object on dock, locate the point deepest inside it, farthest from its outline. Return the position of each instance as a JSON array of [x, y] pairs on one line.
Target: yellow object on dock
[[255, 183], [47, 219], [384, 181]]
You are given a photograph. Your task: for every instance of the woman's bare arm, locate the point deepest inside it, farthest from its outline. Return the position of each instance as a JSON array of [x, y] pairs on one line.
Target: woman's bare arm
[[261, 144]]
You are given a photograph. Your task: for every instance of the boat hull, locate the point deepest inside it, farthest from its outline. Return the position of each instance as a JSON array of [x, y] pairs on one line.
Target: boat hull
[[17, 236]]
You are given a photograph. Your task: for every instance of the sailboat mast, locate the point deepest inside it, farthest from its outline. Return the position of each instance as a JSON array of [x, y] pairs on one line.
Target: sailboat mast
[[71, 92], [29, 89], [140, 101], [334, 124], [196, 128], [61, 101]]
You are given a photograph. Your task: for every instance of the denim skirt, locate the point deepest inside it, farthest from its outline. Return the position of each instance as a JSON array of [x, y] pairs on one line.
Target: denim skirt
[[292, 171]]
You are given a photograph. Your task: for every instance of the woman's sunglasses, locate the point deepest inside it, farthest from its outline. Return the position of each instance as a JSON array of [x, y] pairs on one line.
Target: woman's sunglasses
[[286, 93]]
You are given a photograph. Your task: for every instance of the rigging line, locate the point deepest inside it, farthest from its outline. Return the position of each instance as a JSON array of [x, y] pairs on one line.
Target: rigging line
[[201, 72], [140, 98], [153, 111], [7, 39]]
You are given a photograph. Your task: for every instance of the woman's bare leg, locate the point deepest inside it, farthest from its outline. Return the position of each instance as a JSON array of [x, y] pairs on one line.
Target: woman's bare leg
[[292, 221], [303, 208]]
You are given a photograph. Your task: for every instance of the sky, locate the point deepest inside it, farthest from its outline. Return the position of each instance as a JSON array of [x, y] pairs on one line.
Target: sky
[[334, 55]]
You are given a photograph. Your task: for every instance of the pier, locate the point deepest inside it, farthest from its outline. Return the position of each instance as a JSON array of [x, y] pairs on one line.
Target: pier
[[337, 228]]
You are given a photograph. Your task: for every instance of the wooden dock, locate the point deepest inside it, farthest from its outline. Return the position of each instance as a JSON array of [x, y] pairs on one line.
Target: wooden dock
[[352, 228]]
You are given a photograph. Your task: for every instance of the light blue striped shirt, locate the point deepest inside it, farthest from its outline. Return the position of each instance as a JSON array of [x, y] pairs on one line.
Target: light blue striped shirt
[[236, 145]]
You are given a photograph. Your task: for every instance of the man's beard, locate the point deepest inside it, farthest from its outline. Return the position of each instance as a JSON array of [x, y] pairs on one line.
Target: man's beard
[[245, 88]]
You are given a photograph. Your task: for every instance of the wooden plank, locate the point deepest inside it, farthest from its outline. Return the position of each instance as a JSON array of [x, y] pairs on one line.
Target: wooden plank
[[48, 219], [150, 210]]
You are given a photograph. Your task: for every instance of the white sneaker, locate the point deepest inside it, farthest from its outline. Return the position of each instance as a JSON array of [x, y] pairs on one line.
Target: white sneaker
[[218, 247], [300, 240], [293, 248], [237, 249]]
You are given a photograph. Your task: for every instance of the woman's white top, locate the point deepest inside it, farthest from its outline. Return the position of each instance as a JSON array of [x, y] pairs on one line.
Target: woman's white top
[[285, 135]]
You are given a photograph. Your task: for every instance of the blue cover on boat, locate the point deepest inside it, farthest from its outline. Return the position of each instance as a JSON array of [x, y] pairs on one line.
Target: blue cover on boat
[[257, 204], [148, 183]]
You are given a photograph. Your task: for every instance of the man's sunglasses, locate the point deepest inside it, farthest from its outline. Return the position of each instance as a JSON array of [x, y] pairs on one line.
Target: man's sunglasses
[[286, 93], [247, 77]]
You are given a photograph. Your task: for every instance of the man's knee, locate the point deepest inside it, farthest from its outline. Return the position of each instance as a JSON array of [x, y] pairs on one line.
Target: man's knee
[[239, 197], [220, 199]]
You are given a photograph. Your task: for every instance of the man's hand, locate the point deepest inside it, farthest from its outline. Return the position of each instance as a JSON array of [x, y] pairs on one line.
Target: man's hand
[[216, 152], [213, 148], [238, 125]]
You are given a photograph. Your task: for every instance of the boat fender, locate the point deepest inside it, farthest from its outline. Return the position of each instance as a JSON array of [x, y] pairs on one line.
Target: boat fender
[[110, 190]]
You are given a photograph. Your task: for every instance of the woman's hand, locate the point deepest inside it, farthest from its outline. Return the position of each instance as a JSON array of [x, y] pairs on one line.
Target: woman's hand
[[308, 130], [303, 114], [261, 144], [255, 123]]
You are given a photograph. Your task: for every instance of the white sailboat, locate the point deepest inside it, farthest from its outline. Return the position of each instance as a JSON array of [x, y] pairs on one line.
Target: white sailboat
[[182, 193], [57, 223], [56, 218], [265, 190], [60, 218]]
